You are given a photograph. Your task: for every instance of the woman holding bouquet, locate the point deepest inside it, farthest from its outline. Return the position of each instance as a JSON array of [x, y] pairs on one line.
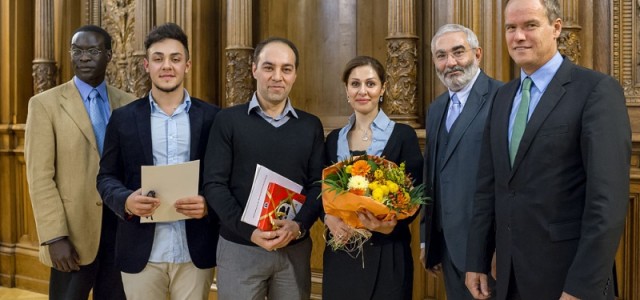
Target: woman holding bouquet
[[384, 269]]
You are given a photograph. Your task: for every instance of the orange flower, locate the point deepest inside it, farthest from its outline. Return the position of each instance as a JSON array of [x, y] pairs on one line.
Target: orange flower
[[361, 168]]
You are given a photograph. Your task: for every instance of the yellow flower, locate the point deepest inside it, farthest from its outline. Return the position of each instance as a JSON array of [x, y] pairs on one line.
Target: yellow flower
[[385, 189], [373, 185], [347, 169], [378, 174], [377, 195], [358, 183], [393, 187]]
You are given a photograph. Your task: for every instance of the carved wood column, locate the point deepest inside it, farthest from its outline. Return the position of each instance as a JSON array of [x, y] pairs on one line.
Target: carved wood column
[[44, 64], [145, 13], [93, 12], [569, 40], [118, 20], [400, 101], [239, 51]]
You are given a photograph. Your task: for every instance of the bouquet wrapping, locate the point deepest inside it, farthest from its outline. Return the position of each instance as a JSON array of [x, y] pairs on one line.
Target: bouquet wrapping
[[372, 183]]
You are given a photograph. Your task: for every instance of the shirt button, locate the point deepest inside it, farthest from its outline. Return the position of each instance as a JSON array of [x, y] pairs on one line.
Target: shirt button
[[98, 203]]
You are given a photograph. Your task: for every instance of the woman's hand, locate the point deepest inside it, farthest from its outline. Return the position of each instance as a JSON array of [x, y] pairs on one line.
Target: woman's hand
[[340, 230], [373, 224]]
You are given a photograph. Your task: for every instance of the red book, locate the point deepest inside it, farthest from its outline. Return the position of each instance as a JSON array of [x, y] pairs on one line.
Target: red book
[[280, 203]]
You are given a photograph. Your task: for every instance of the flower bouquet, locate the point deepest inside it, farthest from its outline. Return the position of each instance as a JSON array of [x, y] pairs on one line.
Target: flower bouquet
[[372, 183]]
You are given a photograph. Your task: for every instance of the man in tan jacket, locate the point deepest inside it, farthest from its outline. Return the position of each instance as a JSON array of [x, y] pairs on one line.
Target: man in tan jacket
[[63, 144]]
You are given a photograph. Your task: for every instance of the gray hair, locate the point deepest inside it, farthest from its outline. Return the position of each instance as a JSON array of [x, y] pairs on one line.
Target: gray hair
[[472, 39]]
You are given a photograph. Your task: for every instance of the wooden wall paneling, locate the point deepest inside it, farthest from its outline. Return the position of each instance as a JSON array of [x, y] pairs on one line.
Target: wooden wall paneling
[[16, 84], [207, 56], [145, 19], [118, 17], [68, 16]]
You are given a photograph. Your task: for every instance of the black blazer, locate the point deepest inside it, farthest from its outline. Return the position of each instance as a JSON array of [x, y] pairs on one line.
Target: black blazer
[[392, 249], [457, 173], [559, 212], [127, 147]]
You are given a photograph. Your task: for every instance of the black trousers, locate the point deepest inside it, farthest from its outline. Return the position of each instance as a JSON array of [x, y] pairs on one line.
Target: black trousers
[[102, 274], [454, 279]]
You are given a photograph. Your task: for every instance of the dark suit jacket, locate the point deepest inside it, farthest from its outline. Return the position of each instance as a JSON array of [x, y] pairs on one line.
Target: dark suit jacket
[[457, 173], [560, 211], [127, 147], [345, 277]]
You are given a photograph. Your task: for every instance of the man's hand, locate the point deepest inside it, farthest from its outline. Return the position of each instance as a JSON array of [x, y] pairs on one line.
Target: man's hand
[[478, 285], [140, 205], [566, 296], [272, 240], [194, 206], [340, 230], [435, 271], [64, 256], [373, 224], [268, 240]]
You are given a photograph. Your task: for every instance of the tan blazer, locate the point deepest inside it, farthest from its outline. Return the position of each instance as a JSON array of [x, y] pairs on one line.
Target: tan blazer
[[62, 164]]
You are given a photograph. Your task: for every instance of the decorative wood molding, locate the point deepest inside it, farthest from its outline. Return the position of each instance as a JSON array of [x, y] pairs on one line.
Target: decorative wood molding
[[44, 65], [569, 43], [239, 52], [93, 15], [626, 14], [44, 75], [239, 82], [118, 20], [400, 101]]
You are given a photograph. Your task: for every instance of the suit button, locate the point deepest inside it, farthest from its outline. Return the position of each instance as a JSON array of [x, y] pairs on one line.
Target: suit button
[[508, 227], [98, 203]]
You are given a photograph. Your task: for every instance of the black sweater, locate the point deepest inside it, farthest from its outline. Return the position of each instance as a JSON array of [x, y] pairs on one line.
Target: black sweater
[[238, 142]]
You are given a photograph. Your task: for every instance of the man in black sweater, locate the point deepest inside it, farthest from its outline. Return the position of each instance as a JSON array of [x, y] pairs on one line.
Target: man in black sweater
[[268, 131]]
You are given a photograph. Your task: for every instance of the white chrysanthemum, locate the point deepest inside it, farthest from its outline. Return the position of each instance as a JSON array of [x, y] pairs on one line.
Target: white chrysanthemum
[[358, 183]]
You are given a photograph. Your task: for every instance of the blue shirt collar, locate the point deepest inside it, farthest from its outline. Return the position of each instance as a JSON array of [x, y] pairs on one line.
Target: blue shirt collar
[[254, 104], [380, 122], [184, 106], [542, 77], [85, 88]]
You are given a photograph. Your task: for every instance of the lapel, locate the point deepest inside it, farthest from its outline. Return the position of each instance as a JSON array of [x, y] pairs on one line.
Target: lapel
[[73, 105], [195, 122], [142, 117], [438, 112], [476, 100], [551, 97]]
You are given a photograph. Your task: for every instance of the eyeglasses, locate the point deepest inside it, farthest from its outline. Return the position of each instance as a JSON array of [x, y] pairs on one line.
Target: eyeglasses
[[93, 52], [456, 54]]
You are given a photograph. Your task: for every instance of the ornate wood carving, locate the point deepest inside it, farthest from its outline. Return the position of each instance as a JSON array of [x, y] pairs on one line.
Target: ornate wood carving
[[118, 20], [239, 52], [44, 75], [400, 97], [402, 63], [239, 82], [93, 12], [626, 14], [569, 43], [44, 65]]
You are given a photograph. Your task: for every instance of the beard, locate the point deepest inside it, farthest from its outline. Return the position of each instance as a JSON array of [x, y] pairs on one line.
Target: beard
[[169, 89], [456, 83]]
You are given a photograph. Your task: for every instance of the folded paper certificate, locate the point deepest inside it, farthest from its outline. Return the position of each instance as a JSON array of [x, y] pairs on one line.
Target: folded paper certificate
[[170, 183], [261, 180]]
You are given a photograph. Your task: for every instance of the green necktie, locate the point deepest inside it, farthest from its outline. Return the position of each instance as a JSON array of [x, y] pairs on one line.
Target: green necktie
[[520, 122]]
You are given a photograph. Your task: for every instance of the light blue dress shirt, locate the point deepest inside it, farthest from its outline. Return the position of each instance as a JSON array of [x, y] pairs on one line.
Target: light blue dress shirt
[[381, 129], [277, 121], [84, 89], [171, 142], [540, 80]]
